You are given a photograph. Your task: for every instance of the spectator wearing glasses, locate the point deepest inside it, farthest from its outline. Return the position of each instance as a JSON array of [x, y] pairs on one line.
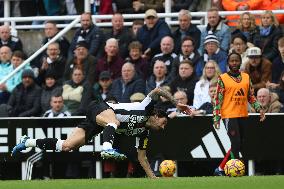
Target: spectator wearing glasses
[[210, 73], [185, 29]]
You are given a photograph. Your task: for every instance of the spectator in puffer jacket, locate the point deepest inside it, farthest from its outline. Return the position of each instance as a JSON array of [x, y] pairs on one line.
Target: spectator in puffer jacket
[[25, 98]]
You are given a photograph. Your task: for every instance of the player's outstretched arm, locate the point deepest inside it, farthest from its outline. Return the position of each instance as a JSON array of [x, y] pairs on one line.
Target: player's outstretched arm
[[157, 92], [142, 158]]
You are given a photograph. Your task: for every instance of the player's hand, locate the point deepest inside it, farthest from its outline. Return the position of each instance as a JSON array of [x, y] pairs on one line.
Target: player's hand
[[262, 115], [184, 108]]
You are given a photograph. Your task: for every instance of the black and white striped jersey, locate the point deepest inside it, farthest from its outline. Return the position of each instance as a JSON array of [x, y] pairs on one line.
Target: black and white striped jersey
[[133, 116], [50, 113]]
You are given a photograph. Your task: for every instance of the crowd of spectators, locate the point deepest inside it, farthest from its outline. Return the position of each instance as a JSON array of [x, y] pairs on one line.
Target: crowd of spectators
[[147, 55]]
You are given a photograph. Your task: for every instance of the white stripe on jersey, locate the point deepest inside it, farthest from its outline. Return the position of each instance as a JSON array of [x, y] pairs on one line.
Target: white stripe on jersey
[[131, 106], [50, 113], [128, 107]]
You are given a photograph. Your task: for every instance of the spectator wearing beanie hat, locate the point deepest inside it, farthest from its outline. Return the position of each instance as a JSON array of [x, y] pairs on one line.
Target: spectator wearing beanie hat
[[212, 51], [25, 98], [217, 27], [28, 73], [50, 85]]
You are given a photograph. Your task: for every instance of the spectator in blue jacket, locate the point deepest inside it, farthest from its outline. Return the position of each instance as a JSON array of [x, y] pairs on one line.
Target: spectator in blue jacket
[[7, 87], [151, 34], [17, 59], [212, 52], [218, 28], [91, 34], [128, 84]]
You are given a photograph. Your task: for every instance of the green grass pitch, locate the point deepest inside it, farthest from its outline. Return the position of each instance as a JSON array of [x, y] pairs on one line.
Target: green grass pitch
[[258, 182]]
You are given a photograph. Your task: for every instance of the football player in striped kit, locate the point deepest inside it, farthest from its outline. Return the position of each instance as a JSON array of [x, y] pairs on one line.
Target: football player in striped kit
[[132, 119]]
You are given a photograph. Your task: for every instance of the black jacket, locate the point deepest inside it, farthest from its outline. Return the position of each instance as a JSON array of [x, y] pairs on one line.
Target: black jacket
[[192, 31], [95, 39], [25, 101], [186, 85]]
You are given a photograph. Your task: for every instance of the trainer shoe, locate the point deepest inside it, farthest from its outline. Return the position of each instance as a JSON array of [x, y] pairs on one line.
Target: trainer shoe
[[21, 146], [112, 154], [217, 172]]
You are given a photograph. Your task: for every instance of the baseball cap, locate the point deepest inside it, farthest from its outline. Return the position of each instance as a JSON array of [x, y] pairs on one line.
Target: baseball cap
[[151, 12], [104, 75], [254, 52]]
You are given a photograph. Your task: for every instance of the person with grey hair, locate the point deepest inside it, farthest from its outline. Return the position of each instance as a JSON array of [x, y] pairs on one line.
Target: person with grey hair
[[128, 84], [268, 100], [121, 33], [181, 97], [212, 51], [218, 28], [110, 61], [185, 29]]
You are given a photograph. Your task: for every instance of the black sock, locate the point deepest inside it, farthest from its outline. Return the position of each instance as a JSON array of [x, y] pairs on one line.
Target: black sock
[[46, 143], [108, 134]]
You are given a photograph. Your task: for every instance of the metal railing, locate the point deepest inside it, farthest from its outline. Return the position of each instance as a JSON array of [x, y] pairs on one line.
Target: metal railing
[[61, 33]]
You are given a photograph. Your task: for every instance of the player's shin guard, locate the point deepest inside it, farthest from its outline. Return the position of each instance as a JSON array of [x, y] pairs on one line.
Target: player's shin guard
[[47, 143]]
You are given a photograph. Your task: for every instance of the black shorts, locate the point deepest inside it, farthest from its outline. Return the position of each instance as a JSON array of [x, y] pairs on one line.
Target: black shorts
[[89, 124]]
